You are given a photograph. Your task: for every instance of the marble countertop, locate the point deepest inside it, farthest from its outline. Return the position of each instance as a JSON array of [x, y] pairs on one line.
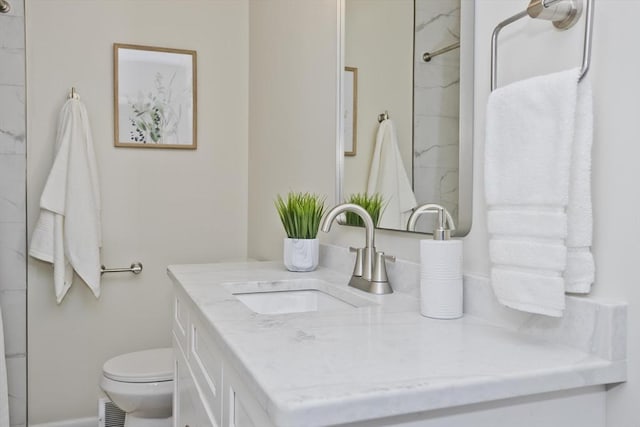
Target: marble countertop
[[385, 359]]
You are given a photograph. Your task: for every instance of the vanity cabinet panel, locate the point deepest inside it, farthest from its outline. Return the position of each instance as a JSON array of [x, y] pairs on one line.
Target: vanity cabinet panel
[[208, 392], [189, 409], [206, 365], [180, 320], [241, 417], [243, 410], [237, 415]]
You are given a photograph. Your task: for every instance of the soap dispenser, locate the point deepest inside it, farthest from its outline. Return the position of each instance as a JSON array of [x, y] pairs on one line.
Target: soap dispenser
[[440, 266]]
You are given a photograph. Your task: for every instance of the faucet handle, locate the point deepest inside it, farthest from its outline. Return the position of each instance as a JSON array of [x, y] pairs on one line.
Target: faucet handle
[[389, 257], [358, 268], [380, 268]]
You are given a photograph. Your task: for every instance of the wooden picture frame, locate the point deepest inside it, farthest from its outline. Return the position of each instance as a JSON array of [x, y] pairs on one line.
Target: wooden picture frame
[[155, 93], [350, 113]]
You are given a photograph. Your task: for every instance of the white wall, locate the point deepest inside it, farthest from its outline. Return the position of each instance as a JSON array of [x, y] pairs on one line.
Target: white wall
[[292, 115], [292, 133], [159, 206], [292, 120], [385, 79], [527, 48], [533, 48]]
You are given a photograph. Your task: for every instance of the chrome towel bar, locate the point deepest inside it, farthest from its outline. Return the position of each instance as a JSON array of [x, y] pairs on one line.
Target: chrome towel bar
[[136, 268], [563, 14], [427, 56]]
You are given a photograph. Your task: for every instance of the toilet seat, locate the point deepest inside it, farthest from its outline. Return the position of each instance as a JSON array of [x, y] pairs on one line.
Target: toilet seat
[[147, 366]]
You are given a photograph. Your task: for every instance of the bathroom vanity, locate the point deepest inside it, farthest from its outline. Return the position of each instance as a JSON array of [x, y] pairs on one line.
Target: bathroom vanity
[[259, 346]]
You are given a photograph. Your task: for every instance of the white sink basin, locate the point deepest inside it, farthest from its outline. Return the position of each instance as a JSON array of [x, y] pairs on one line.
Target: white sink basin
[[295, 296], [279, 302]]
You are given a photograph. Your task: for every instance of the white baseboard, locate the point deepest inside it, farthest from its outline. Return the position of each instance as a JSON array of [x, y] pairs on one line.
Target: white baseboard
[[78, 422]]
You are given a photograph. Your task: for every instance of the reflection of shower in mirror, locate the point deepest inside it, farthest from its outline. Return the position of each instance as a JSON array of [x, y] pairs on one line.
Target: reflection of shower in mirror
[[430, 102], [436, 107]]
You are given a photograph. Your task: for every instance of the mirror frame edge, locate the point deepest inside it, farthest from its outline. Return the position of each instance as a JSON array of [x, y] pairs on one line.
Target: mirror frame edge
[[340, 46], [466, 117]]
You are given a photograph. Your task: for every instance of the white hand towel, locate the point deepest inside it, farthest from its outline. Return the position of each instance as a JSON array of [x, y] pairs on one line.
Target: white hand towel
[[388, 177], [580, 272], [68, 232], [537, 185], [4, 394]]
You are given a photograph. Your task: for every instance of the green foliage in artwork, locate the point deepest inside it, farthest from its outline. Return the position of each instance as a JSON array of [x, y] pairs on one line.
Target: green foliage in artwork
[[154, 117]]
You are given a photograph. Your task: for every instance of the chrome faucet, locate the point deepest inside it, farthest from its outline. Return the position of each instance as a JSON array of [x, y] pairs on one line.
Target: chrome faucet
[[370, 272]]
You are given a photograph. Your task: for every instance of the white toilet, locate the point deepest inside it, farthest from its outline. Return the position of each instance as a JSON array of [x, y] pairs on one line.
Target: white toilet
[[141, 384]]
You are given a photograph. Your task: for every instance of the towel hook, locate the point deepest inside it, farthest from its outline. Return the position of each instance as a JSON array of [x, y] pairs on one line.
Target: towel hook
[[383, 116], [563, 13], [5, 6], [74, 94]]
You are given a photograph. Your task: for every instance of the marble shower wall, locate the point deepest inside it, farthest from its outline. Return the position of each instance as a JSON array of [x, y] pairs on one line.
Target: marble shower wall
[[13, 276], [436, 104]]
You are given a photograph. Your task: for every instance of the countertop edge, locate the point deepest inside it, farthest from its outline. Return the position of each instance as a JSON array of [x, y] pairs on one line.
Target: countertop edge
[[413, 401], [422, 398]]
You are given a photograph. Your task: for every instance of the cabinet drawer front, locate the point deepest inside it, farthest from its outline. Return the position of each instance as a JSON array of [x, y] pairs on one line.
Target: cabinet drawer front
[[206, 363], [180, 321]]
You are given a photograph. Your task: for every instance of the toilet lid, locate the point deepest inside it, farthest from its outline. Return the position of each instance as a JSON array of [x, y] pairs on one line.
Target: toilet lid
[[141, 366]]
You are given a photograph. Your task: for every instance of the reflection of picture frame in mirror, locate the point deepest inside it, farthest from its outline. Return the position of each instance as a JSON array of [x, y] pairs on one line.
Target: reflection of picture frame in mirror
[[350, 113], [154, 97]]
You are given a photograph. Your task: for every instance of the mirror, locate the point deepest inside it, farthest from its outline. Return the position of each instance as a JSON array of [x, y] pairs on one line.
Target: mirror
[[425, 105]]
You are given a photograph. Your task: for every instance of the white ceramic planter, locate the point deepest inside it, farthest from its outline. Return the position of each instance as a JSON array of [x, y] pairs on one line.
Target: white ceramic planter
[[301, 254]]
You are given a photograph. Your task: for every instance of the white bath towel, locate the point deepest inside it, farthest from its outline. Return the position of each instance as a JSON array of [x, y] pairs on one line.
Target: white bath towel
[[388, 177], [537, 185], [68, 232], [4, 393]]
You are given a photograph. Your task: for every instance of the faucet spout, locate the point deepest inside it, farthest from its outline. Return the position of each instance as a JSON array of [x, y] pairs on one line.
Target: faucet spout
[[369, 273], [331, 215]]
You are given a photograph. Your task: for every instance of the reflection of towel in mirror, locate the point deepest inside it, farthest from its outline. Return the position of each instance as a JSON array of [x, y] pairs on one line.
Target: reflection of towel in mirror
[[68, 231], [388, 177]]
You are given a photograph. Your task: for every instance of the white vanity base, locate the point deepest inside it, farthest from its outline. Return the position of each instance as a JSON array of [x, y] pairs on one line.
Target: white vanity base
[[377, 365]]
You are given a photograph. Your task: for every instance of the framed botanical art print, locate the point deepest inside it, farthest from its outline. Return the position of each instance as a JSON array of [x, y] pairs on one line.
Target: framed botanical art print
[[154, 97]]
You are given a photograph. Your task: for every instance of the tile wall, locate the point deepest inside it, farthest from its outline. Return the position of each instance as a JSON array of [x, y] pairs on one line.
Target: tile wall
[[436, 104], [13, 276]]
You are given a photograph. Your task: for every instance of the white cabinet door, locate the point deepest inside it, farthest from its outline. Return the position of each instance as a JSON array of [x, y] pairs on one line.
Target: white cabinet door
[[205, 363], [189, 411], [180, 320], [238, 415], [207, 391], [241, 409]]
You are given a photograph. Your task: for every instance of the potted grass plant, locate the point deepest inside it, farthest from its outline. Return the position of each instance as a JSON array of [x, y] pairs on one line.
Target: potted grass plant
[[301, 214], [371, 203]]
